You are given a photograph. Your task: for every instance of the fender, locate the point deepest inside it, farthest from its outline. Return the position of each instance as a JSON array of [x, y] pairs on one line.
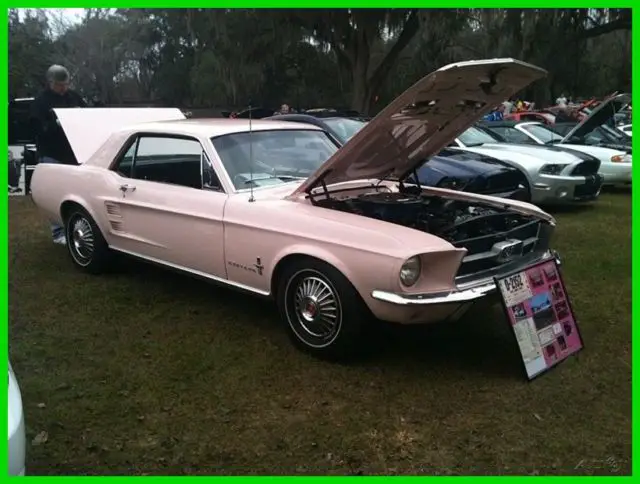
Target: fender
[[326, 256]]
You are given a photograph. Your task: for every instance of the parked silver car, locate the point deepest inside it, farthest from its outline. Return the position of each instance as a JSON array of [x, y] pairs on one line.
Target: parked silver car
[[555, 175]]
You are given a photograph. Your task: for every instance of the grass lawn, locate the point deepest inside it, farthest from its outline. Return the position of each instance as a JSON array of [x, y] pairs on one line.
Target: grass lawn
[[149, 372]]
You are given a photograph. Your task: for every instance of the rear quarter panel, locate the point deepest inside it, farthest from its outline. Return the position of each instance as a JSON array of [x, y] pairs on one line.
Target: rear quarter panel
[[52, 185]]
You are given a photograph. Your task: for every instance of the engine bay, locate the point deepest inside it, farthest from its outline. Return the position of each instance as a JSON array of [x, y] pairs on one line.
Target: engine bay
[[455, 221]]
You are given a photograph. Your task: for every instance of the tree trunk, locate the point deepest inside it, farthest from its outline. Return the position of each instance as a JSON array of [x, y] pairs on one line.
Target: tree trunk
[[361, 94]]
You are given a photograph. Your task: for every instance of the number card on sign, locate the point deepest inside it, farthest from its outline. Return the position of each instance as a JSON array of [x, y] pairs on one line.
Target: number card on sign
[[537, 306]]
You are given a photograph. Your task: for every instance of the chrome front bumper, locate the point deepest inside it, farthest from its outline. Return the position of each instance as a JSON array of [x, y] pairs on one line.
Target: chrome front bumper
[[468, 292]]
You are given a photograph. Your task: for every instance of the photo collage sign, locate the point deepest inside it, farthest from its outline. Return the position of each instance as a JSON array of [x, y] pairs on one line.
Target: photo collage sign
[[540, 314]]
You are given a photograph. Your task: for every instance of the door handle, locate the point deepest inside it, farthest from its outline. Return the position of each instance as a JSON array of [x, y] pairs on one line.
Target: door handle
[[126, 188]]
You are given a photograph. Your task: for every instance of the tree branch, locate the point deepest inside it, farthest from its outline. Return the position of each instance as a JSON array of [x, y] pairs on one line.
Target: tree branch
[[408, 32], [623, 23]]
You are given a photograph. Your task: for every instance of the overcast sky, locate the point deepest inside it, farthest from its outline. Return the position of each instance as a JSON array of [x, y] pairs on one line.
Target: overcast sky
[[72, 14]]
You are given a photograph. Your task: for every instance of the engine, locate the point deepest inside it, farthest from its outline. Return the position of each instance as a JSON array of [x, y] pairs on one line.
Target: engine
[[453, 220]]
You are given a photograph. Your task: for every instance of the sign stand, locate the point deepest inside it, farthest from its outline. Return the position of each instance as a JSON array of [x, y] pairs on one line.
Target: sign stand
[[538, 309]]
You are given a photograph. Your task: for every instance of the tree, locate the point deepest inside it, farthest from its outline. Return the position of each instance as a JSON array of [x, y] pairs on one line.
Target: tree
[[30, 52], [352, 35]]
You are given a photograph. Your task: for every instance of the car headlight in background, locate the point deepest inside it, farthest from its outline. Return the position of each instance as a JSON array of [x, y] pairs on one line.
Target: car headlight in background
[[410, 271], [551, 169], [621, 159]]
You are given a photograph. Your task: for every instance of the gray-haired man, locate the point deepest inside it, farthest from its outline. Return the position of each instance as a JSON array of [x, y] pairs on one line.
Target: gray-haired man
[[51, 143]]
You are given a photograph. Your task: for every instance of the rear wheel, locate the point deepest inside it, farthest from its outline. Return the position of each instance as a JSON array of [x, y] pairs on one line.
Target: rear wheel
[[324, 313], [87, 247]]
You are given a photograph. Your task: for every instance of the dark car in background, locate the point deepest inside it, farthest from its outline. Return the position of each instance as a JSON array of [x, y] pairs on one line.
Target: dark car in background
[[452, 168], [340, 127], [22, 160], [252, 112]]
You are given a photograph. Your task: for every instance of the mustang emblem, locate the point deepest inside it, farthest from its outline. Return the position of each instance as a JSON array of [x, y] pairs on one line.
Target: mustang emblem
[[256, 268]]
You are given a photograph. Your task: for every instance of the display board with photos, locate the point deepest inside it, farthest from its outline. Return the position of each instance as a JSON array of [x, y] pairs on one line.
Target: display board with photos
[[540, 313]]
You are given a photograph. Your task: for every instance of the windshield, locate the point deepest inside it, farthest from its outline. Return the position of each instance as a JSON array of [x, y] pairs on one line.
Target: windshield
[[272, 157], [475, 137], [543, 133], [345, 128], [612, 134], [512, 135]]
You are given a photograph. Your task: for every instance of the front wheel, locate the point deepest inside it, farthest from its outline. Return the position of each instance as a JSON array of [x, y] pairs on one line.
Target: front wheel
[[87, 247], [325, 315]]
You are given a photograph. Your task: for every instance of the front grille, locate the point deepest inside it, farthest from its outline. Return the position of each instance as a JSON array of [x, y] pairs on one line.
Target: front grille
[[499, 183], [586, 168], [483, 253], [588, 189], [503, 182]]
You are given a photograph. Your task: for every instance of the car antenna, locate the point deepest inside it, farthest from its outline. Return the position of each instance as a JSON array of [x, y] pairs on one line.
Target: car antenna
[[251, 199]]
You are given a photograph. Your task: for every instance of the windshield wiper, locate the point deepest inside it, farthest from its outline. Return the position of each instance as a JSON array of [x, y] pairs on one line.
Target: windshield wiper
[[289, 177]]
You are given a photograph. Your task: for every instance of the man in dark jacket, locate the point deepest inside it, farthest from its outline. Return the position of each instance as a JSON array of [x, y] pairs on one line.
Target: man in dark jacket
[[51, 142]]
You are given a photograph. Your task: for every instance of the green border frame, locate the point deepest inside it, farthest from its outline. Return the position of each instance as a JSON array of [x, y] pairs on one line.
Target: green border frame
[[314, 4]]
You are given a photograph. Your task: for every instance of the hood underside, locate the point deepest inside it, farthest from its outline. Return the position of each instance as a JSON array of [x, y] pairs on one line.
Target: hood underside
[[602, 114], [424, 119]]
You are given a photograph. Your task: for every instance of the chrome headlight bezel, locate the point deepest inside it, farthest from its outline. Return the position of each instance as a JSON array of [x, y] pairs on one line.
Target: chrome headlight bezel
[[410, 271]]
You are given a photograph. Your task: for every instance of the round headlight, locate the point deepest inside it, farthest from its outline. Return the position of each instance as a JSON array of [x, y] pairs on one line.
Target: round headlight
[[410, 271]]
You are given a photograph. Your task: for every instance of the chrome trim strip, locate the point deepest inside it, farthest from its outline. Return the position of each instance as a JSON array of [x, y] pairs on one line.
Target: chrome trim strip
[[470, 292], [204, 275], [437, 298]]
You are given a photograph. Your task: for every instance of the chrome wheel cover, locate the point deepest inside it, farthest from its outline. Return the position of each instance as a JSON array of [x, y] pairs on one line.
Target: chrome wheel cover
[[313, 308], [81, 240]]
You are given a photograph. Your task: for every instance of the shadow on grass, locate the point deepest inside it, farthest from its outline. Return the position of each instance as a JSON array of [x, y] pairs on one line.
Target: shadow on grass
[[623, 190], [570, 208], [618, 191], [485, 345], [189, 289]]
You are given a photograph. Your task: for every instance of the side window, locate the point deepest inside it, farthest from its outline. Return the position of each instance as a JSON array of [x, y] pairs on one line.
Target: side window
[[168, 160], [125, 167], [210, 180]]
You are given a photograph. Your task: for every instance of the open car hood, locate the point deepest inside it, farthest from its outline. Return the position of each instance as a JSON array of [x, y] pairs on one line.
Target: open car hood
[[88, 128], [424, 119], [602, 113]]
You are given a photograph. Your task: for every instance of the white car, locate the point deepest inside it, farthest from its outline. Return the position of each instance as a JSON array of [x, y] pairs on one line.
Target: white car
[[555, 176], [615, 158], [615, 163], [17, 437], [626, 129]]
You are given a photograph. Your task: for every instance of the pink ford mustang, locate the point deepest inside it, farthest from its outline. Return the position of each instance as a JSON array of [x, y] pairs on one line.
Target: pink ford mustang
[[278, 210]]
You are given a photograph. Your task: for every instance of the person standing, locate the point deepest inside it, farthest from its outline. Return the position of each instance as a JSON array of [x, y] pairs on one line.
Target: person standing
[[284, 109], [52, 145], [508, 107], [562, 100]]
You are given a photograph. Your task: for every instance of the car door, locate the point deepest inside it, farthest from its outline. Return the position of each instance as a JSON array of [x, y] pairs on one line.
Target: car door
[[166, 204]]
